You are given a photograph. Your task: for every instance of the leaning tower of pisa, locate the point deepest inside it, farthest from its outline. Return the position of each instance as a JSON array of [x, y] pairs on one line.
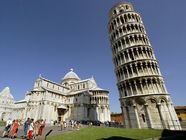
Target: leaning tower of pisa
[[144, 100]]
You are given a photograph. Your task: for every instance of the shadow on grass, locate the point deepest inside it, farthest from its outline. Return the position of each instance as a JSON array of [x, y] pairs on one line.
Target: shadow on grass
[[116, 138], [173, 135]]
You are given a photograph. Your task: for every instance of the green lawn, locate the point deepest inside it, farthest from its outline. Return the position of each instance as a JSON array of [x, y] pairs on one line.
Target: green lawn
[[183, 124], [2, 123], [99, 133]]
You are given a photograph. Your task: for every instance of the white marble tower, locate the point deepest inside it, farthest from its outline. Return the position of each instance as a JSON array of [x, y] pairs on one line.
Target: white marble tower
[[144, 99]]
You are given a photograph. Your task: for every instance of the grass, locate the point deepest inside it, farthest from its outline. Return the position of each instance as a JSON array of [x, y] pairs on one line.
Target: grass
[[99, 133], [2, 123], [183, 124]]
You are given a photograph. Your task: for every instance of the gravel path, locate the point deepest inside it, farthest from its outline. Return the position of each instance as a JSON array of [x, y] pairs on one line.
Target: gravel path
[[56, 130]]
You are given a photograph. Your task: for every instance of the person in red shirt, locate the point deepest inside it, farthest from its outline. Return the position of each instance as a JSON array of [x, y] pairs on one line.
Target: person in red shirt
[[42, 125], [15, 126]]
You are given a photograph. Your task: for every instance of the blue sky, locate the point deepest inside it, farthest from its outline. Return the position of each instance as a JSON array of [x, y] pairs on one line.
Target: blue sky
[[49, 37]]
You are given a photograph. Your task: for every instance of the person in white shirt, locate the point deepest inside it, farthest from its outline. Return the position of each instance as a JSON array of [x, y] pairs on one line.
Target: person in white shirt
[[31, 129], [7, 128]]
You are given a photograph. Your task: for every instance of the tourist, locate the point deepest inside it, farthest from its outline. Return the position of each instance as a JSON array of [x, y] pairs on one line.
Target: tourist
[[72, 123], [36, 128], [62, 125], [31, 129], [65, 124], [77, 125], [15, 126], [7, 128], [51, 122], [26, 126], [42, 125]]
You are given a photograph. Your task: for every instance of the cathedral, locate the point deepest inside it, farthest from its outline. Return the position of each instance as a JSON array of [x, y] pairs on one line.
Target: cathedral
[[72, 99]]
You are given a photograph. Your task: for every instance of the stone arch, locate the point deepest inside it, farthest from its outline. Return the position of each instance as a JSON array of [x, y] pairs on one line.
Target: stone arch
[[124, 29], [115, 12], [114, 21], [123, 41], [136, 26], [120, 30], [132, 27], [133, 16], [125, 17], [121, 18], [140, 28], [162, 99], [153, 112], [119, 43], [129, 16], [152, 100], [117, 33], [118, 21], [166, 116], [140, 38], [136, 17], [128, 28]]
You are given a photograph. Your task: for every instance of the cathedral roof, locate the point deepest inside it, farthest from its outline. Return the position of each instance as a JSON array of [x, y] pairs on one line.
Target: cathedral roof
[[20, 101], [98, 89], [5, 93], [71, 75], [53, 91]]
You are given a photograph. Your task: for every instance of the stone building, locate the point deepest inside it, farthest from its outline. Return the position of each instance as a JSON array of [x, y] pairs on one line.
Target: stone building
[[72, 99], [181, 112], [144, 99], [6, 104], [117, 117]]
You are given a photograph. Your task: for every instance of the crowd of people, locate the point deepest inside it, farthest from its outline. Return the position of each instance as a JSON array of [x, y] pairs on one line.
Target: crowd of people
[[31, 128], [71, 123]]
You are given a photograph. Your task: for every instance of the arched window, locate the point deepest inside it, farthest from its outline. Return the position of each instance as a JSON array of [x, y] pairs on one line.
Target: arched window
[[119, 43], [132, 26], [120, 30], [127, 7], [136, 26], [121, 10], [136, 18], [143, 117], [117, 32], [114, 22], [129, 16], [121, 18], [125, 17], [124, 29], [128, 28], [123, 41], [118, 20]]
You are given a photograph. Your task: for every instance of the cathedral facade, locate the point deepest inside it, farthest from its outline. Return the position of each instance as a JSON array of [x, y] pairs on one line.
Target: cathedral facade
[[72, 99], [144, 99], [6, 104]]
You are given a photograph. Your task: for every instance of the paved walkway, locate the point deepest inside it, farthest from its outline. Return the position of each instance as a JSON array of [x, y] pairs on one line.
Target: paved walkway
[[56, 130]]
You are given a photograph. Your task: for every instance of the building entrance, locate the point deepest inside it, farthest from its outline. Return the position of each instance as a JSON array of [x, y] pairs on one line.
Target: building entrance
[[61, 110]]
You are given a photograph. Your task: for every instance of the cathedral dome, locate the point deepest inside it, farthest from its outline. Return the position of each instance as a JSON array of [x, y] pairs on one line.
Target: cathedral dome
[[70, 77]]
